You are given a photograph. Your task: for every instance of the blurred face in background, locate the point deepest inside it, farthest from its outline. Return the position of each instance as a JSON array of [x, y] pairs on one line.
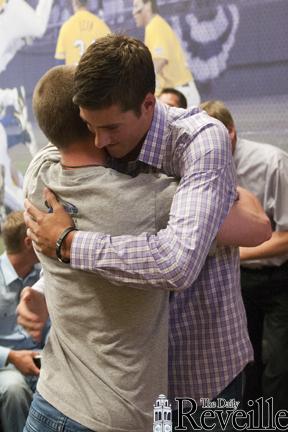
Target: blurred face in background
[[170, 99], [140, 13]]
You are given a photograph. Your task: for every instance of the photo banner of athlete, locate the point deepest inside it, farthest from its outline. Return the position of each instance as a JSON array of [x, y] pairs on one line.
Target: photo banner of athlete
[[222, 41]]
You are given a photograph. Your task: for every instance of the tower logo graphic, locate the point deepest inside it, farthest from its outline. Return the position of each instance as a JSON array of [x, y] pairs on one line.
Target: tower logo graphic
[[162, 415]]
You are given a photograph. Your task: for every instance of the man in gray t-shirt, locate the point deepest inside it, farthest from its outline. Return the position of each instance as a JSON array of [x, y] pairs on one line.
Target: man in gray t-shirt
[[106, 345]]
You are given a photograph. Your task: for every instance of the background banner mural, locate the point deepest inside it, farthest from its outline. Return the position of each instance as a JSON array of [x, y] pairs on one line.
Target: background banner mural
[[237, 51]]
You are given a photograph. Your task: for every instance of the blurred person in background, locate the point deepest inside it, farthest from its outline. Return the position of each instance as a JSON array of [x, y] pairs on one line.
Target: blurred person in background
[[173, 98], [169, 59], [263, 169], [13, 193], [19, 25], [14, 117], [78, 32], [19, 22], [18, 373]]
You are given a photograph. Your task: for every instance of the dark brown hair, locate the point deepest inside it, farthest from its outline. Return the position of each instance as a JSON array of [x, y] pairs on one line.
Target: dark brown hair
[[181, 98], [116, 69]]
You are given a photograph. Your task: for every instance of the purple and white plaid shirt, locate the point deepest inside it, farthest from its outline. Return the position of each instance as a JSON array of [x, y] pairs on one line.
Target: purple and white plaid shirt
[[209, 343]]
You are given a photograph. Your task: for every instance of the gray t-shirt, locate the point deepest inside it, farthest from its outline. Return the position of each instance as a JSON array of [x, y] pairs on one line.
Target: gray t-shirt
[[106, 359]]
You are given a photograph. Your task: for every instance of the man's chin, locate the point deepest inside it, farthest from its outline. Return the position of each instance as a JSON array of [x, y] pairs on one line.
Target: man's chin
[[115, 153]]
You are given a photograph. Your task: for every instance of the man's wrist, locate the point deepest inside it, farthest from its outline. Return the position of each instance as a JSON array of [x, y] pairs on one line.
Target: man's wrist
[[67, 244], [60, 248], [10, 358]]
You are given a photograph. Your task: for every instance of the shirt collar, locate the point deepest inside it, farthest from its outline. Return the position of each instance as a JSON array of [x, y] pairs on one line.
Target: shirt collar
[[10, 274], [152, 151], [8, 270]]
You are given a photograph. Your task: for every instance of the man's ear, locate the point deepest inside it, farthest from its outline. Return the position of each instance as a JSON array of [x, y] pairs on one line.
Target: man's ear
[[149, 102], [28, 243], [233, 136]]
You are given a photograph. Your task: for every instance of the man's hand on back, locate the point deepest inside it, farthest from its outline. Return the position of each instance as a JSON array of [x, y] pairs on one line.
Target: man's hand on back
[[45, 228]]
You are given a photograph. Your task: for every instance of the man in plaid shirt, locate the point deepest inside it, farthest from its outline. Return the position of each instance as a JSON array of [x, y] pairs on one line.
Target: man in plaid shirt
[[209, 344]]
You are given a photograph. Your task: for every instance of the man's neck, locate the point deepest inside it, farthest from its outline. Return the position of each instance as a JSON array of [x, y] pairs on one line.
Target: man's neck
[[80, 8], [22, 264], [133, 155], [81, 156], [149, 17]]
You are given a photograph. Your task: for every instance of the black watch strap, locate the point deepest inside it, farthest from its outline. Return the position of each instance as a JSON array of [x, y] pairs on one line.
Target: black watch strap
[[59, 243]]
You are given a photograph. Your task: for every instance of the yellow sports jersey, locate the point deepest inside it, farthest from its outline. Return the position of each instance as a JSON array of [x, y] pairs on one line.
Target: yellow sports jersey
[[77, 33], [163, 43]]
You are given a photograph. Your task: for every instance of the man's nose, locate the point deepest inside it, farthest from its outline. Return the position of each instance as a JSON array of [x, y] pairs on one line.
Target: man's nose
[[102, 139]]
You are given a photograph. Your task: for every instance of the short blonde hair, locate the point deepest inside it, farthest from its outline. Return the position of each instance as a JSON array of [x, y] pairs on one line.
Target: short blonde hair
[[58, 117], [217, 109], [14, 232]]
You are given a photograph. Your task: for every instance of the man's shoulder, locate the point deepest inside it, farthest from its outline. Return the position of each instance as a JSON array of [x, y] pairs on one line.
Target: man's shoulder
[[262, 152], [64, 26], [94, 18], [194, 123], [159, 20], [156, 23], [68, 24], [45, 157], [191, 118], [174, 131], [48, 153]]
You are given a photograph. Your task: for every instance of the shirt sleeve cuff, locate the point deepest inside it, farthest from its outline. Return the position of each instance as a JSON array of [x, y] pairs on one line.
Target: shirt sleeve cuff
[[84, 249]]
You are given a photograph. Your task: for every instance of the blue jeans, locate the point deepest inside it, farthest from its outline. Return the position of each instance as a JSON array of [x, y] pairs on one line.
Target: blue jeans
[[43, 417], [15, 398]]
